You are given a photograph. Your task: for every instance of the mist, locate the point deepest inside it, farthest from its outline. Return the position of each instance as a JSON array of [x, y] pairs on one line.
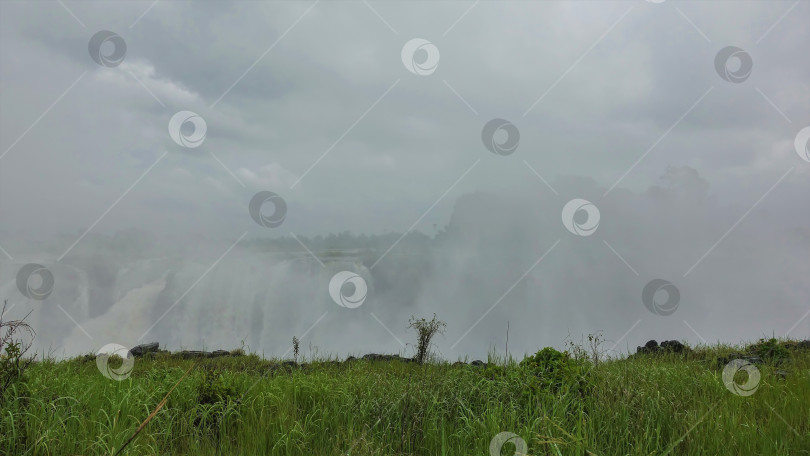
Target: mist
[[501, 260], [196, 174]]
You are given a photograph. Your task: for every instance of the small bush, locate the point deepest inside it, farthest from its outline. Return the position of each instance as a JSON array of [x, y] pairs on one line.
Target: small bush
[[217, 398], [554, 370], [214, 389], [425, 331], [770, 349], [494, 371], [13, 348]]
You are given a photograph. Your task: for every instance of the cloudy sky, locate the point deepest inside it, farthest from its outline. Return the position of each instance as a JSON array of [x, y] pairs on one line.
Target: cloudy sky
[[333, 107]]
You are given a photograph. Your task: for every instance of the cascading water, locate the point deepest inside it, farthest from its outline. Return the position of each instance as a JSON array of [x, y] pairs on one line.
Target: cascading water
[[517, 267]]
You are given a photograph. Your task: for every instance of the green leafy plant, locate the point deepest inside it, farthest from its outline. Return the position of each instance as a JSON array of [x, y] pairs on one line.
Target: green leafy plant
[[555, 370], [214, 388], [425, 330], [217, 398], [771, 349], [16, 337]]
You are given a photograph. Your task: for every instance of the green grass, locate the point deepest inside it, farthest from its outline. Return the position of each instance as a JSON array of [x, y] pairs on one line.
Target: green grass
[[643, 405]]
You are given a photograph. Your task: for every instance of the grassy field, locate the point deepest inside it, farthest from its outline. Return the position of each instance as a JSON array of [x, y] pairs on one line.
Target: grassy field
[[670, 403]]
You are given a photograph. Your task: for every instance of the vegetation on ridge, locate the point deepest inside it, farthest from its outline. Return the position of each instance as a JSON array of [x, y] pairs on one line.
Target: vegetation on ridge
[[560, 403]]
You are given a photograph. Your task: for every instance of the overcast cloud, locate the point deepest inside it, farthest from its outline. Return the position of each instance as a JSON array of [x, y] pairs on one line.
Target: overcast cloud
[[697, 179]]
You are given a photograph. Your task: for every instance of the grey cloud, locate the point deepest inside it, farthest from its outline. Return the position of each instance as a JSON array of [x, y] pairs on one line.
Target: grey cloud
[[607, 110]]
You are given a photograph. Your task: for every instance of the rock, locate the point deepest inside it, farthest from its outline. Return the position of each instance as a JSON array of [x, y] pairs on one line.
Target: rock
[[667, 346], [724, 360], [478, 363], [188, 354], [650, 347], [374, 357], [140, 350], [673, 346], [350, 359], [378, 357]]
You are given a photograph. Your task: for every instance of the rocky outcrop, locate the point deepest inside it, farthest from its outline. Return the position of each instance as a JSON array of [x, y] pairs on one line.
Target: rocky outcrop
[[153, 348], [723, 360], [140, 350], [673, 346], [378, 357], [190, 354], [667, 346]]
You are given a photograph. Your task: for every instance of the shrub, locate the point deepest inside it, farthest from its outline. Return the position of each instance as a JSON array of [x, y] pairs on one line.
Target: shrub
[[217, 398], [554, 370], [425, 331], [770, 349], [13, 348], [214, 389]]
